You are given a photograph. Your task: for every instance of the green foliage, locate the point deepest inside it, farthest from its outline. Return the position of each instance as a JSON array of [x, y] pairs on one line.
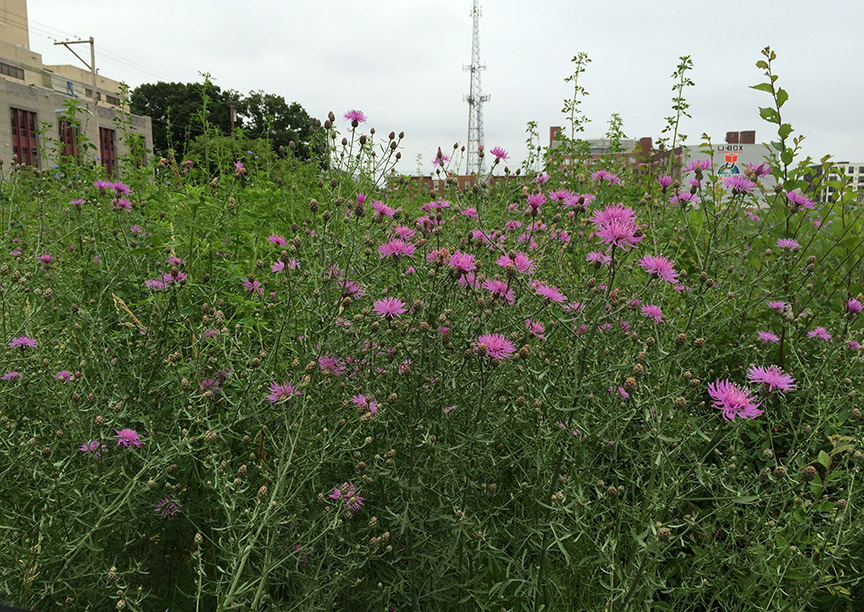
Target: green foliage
[[679, 107], [615, 134], [784, 155], [284, 126], [575, 117], [175, 109]]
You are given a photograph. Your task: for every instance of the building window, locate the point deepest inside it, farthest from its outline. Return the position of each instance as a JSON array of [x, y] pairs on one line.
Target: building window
[[850, 170], [24, 137], [13, 71], [69, 139], [112, 100], [106, 148]]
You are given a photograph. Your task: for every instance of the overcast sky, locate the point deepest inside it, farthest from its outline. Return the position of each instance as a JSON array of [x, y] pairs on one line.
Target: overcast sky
[[401, 61]]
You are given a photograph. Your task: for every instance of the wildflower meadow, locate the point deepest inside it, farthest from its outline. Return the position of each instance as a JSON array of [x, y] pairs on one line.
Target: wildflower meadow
[[244, 381]]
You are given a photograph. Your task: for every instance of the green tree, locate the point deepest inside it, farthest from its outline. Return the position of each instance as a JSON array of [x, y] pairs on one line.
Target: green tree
[[270, 117], [173, 108]]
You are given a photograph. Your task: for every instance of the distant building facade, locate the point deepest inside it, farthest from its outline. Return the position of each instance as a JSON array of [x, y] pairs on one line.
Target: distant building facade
[[33, 93], [640, 155], [845, 171], [436, 185]]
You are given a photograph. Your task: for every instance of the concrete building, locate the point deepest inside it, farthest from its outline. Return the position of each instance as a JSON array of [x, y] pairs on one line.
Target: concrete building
[[852, 174], [33, 97]]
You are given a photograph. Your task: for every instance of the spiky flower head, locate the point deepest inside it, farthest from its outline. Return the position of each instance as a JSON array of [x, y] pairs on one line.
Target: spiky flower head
[[772, 378], [733, 400]]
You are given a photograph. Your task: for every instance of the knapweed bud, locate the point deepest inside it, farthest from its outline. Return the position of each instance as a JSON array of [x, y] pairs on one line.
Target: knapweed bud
[[809, 473]]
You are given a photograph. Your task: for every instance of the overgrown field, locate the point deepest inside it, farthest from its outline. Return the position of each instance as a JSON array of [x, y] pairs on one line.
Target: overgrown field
[[248, 383]]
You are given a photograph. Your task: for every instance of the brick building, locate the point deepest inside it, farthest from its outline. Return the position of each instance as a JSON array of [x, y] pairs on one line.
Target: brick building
[[641, 155], [32, 96]]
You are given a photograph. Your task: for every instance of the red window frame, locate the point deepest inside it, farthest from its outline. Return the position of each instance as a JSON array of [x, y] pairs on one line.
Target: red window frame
[[24, 143], [107, 150], [69, 140]]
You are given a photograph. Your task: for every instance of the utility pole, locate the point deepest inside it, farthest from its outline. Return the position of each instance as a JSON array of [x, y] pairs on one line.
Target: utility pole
[[91, 66], [475, 99], [231, 102]]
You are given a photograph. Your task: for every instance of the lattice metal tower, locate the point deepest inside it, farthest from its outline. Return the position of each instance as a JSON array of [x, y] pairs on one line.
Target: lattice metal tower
[[475, 98]]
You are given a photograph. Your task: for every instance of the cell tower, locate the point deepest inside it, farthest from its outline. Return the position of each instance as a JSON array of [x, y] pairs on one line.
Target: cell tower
[[475, 98]]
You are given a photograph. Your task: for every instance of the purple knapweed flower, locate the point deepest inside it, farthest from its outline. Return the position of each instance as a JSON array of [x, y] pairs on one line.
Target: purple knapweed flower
[[12, 375], [660, 267], [700, 164], [389, 308], [355, 115], [621, 233], [536, 200], [652, 312], [462, 262], [366, 403], [64, 375], [604, 176], [167, 508], [277, 240], [767, 337], [853, 307], [121, 204], [349, 495], [382, 209], [499, 154], [127, 438], [94, 447], [820, 333], [396, 248], [598, 258], [330, 364], [738, 184], [535, 329], [495, 346], [23, 342], [281, 392], [733, 400], [253, 286], [549, 293], [788, 243], [757, 171], [772, 378], [799, 199], [499, 289], [520, 261]]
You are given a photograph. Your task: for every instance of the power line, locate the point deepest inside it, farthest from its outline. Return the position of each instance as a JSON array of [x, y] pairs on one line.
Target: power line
[[109, 55]]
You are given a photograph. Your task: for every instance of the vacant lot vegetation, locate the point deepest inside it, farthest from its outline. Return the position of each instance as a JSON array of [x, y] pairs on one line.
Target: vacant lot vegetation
[[244, 382]]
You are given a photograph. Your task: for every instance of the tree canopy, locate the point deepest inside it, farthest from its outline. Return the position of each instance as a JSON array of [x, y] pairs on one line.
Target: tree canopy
[[178, 113]]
